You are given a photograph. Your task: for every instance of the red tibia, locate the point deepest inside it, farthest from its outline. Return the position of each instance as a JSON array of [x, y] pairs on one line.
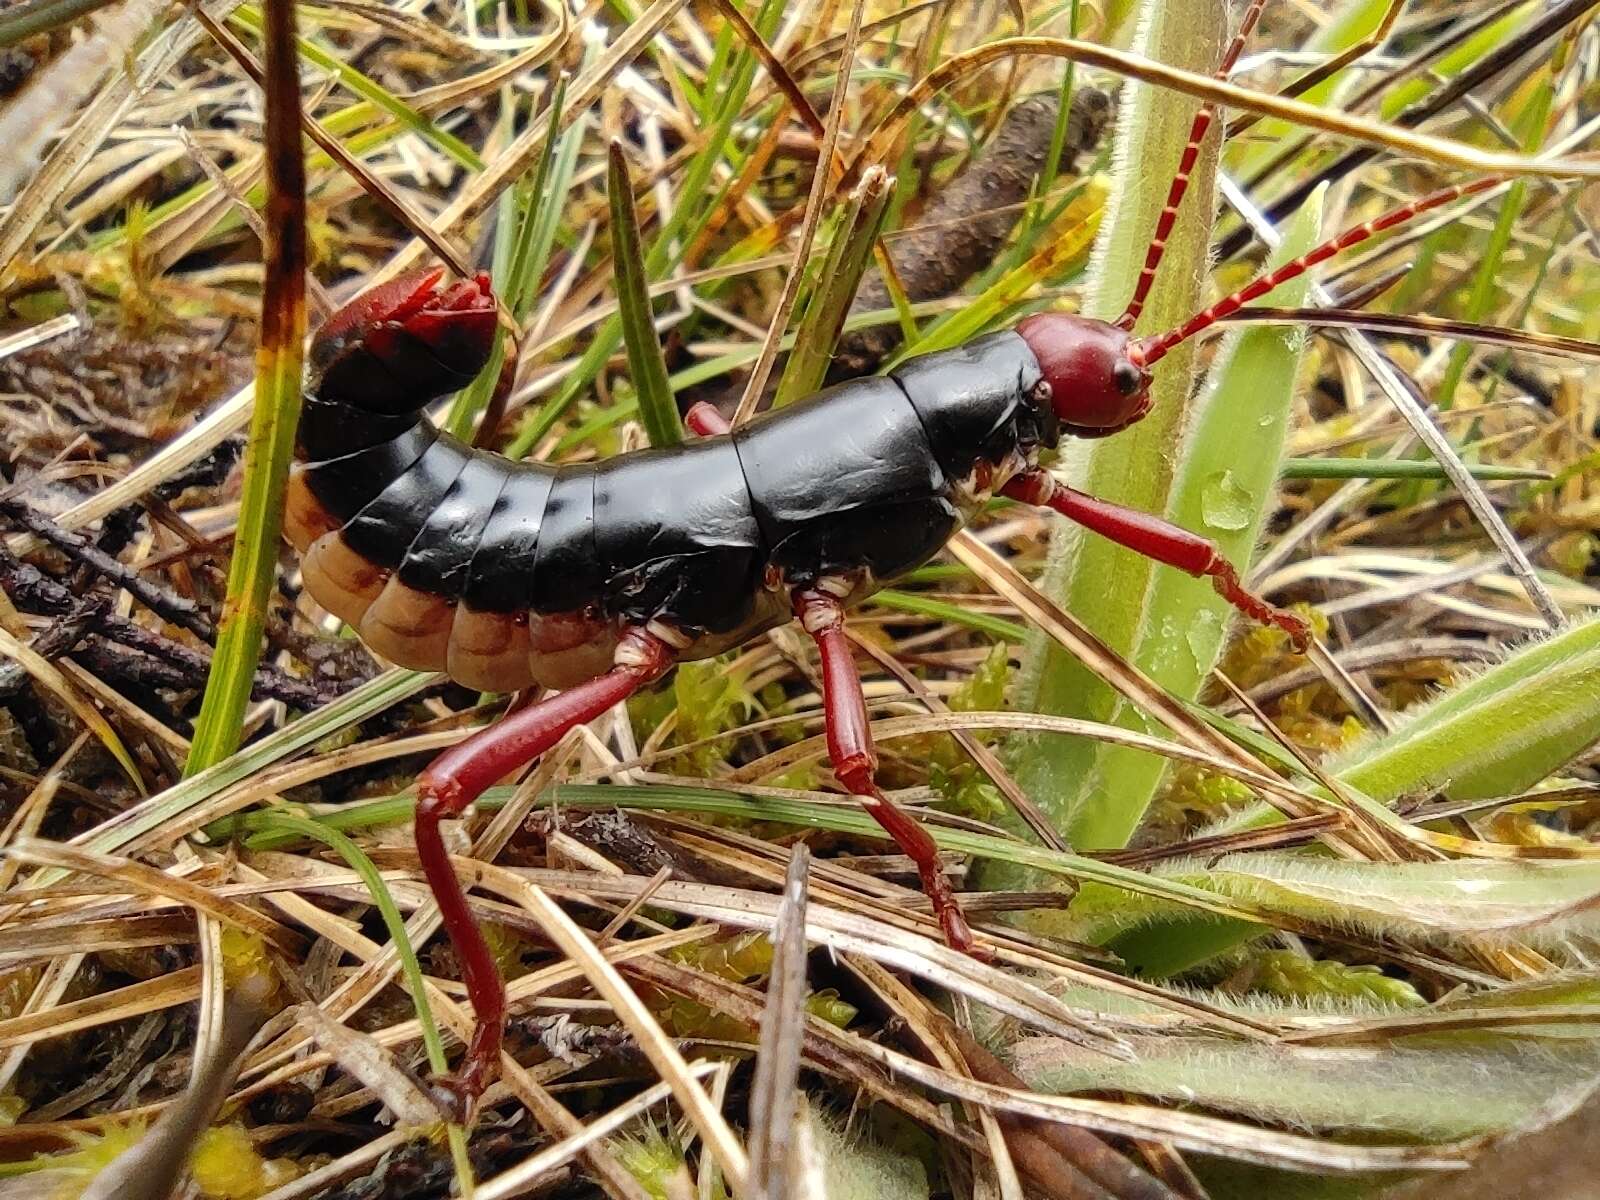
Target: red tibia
[[458, 777], [704, 420], [1149, 350], [855, 760], [1180, 180], [1157, 539]]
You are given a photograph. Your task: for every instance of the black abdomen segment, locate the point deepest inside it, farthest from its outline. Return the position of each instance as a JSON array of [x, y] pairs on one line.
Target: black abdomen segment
[[678, 538], [566, 570], [846, 481], [509, 545], [449, 557]]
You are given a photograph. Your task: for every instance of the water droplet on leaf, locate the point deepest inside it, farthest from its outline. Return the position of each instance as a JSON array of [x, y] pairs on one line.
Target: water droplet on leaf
[[1203, 637], [1224, 503]]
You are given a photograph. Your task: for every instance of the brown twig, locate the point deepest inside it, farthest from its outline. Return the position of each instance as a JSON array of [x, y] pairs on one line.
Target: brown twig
[[179, 610], [34, 591], [62, 635], [967, 223]]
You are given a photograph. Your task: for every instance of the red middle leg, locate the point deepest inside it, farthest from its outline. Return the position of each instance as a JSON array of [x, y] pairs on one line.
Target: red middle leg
[[855, 760], [705, 420], [1155, 538], [458, 777]]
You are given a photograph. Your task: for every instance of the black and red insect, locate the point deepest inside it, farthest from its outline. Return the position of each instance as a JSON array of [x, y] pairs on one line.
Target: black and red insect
[[596, 578]]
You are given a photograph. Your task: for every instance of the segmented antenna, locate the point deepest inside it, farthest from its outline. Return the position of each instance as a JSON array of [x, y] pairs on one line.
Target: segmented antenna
[[1180, 181], [1151, 349], [1549, 344]]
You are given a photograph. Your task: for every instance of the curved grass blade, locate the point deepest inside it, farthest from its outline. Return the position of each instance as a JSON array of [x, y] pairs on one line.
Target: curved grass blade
[[253, 571], [658, 408], [248, 18], [1132, 65], [394, 924]]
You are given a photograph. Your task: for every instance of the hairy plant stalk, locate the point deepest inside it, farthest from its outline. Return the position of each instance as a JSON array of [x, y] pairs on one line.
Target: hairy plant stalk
[[1496, 735], [1225, 487], [1105, 586]]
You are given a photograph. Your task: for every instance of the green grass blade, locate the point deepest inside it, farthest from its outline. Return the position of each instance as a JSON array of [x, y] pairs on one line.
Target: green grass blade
[[687, 217], [1487, 289], [1437, 903], [1105, 586], [1375, 468], [846, 819], [829, 303], [1540, 703], [253, 571], [1486, 41], [248, 18], [529, 214], [416, 984], [171, 807], [26, 20], [557, 163], [658, 408], [1062, 252], [1458, 1086], [1224, 487], [293, 825], [1348, 26], [1058, 136], [927, 606]]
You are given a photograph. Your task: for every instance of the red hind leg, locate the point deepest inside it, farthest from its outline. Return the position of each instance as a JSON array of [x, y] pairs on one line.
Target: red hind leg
[[1155, 538], [458, 777], [855, 760]]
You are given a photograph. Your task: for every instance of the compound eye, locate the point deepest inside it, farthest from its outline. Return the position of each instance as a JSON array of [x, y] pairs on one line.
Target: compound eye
[[1126, 377]]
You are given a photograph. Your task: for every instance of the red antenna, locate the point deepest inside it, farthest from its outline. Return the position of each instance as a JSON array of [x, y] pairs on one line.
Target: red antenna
[[1149, 350], [1180, 181]]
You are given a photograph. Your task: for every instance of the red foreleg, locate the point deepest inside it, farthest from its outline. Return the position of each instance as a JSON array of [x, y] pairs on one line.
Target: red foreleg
[[1158, 539], [458, 777], [855, 761]]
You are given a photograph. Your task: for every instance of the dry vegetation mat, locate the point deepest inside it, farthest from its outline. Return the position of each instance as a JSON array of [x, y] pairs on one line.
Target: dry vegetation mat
[[1252, 917]]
